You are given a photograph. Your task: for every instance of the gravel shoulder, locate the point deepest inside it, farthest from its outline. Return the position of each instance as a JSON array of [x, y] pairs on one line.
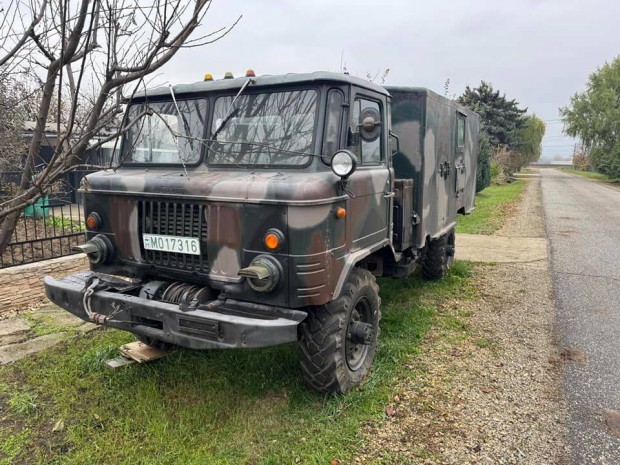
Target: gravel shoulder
[[486, 387]]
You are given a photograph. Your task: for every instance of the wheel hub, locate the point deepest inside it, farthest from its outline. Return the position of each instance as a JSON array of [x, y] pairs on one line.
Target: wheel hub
[[359, 335]]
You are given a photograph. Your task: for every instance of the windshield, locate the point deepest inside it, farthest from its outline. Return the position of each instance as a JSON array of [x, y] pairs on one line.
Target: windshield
[[165, 137], [264, 129]]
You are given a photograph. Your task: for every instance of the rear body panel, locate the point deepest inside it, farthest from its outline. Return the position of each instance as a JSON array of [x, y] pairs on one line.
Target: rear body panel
[[443, 172]]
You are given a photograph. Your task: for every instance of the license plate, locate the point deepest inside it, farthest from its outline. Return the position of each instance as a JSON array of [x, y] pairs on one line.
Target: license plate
[[176, 244]]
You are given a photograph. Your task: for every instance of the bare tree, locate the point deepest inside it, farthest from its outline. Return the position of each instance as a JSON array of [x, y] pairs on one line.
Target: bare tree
[[87, 54], [15, 111]]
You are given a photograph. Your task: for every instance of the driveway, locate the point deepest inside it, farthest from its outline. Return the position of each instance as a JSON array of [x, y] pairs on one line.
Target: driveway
[[583, 226]]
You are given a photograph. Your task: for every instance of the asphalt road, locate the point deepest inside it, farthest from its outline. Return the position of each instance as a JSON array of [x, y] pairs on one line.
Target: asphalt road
[[583, 224]]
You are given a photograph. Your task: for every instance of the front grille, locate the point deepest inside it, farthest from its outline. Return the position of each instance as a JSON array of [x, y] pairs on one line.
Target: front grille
[[184, 219]]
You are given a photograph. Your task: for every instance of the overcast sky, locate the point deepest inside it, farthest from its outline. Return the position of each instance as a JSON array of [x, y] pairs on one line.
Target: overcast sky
[[539, 52]]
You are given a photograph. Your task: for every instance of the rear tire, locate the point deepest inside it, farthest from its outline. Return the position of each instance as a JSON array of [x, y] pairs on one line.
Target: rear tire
[[156, 343], [439, 256], [339, 339]]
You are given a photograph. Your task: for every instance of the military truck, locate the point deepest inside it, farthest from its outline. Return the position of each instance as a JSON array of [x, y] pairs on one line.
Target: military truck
[[254, 211]]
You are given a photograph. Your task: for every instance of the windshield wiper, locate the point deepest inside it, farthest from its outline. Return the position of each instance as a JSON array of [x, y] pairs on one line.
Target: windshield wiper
[[232, 110], [182, 116]]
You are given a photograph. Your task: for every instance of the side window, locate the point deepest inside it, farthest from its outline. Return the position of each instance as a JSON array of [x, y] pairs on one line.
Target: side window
[[368, 149], [460, 130], [333, 118]]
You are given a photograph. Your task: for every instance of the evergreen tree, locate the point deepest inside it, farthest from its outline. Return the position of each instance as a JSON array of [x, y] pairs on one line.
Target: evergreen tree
[[502, 121], [502, 118]]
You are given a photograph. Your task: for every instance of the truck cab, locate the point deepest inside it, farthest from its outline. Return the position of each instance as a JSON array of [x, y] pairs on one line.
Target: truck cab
[[251, 212]]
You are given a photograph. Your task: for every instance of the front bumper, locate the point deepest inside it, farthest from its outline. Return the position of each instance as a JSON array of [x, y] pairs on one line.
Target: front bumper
[[219, 324]]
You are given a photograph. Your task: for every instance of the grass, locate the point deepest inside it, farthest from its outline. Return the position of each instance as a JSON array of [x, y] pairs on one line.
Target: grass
[[42, 325], [23, 403], [591, 175], [61, 223], [492, 207], [216, 407]]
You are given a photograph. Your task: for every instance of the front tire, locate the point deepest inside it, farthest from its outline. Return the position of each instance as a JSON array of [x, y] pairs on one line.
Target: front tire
[[439, 256], [339, 339]]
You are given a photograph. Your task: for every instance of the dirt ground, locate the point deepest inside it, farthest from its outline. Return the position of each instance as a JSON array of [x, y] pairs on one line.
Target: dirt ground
[[491, 389]]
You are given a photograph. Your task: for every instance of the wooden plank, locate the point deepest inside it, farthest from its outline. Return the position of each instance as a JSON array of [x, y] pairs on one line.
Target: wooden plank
[[119, 362], [141, 352]]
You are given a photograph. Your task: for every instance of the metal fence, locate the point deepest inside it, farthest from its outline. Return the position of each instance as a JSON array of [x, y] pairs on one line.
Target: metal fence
[[44, 230], [47, 229]]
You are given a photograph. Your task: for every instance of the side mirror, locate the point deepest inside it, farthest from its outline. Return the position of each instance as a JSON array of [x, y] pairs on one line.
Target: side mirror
[[370, 126], [344, 163], [395, 145]]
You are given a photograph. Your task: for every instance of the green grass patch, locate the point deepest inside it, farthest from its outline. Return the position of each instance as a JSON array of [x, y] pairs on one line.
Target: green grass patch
[[13, 446], [492, 206], [591, 175], [62, 223], [217, 407], [42, 325], [23, 403]]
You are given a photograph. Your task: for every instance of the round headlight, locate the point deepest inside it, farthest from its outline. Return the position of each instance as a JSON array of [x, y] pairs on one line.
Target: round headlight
[[272, 274], [344, 163]]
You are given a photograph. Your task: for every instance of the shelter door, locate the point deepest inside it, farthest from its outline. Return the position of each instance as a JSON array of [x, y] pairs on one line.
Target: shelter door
[[459, 159]]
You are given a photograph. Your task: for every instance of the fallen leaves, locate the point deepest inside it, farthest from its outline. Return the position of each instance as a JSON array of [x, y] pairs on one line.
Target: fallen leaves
[[58, 426]]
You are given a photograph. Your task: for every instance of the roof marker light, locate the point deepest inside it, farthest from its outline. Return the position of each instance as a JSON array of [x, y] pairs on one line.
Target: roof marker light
[[208, 77], [228, 75], [250, 73]]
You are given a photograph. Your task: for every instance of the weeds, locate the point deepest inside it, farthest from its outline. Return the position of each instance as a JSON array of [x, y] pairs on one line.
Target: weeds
[[23, 403]]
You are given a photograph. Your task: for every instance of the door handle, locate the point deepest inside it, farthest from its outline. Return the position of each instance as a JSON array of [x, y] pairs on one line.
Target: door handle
[[444, 169], [388, 195]]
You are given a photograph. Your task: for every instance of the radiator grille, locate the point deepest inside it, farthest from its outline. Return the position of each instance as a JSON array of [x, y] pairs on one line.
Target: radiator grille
[[175, 219]]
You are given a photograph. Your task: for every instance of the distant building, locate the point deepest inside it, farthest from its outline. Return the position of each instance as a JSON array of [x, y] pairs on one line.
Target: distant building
[[101, 156]]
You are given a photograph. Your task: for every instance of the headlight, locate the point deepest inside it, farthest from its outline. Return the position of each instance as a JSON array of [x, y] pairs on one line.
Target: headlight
[[99, 249], [263, 274], [344, 163]]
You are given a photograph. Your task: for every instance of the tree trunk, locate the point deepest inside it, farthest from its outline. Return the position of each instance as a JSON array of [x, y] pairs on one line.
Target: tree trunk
[[10, 221]]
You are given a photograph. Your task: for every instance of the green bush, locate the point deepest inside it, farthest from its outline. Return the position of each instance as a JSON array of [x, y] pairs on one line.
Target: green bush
[[483, 173], [495, 171]]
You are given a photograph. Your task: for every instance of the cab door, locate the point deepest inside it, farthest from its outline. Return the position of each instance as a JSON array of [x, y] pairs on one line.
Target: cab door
[[371, 185], [459, 158]]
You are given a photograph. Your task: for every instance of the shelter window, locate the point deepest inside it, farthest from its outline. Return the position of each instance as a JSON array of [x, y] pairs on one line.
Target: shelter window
[[460, 130]]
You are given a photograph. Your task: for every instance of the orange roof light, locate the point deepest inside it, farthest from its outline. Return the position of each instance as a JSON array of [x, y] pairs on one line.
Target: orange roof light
[[208, 77], [250, 73]]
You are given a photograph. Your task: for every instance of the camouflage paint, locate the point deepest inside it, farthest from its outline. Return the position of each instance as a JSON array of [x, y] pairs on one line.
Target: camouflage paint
[[232, 208], [426, 125]]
